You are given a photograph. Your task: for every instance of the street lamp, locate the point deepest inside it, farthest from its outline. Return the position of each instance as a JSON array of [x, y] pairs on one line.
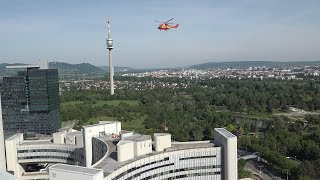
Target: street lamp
[[287, 174], [260, 168]]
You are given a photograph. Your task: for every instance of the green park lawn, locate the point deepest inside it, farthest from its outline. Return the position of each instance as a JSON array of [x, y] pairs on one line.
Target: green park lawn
[[116, 102], [136, 124], [71, 103]]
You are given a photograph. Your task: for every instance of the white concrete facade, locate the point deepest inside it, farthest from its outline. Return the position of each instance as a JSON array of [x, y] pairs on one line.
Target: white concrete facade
[[162, 141], [198, 163], [228, 142], [58, 137], [101, 129], [125, 150], [67, 172], [19, 151], [12, 156], [142, 147]]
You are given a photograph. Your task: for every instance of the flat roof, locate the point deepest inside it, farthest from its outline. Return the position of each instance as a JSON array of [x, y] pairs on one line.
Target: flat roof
[[138, 137], [73, 133], [45, 143], [14, 136], [224, 132], [36, 142], [23, 66], [109, 164], [161, 134], [76, 169], [124, 142], [187, 145], [101, 123]]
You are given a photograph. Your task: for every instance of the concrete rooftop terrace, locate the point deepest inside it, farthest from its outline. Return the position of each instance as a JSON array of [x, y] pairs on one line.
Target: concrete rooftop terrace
[[109, 163], [77, 169], [225, 133]]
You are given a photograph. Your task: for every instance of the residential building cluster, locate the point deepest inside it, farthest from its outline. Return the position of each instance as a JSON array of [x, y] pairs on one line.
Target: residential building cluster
[[282, 74], [132, 85], [188, 77]]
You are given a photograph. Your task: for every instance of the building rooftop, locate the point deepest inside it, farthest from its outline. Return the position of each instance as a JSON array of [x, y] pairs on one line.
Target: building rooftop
[[161, 134], [225, 133], [14, 136], [189, 145], [124, 142], [36, 142], [23, 66], [76, 169], [138, 137], [109, 164], [71, 134], [100, 123], [45, 141]]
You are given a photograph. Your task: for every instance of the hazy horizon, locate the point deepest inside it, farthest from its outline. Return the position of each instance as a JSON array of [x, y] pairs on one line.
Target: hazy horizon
[[210, 31]]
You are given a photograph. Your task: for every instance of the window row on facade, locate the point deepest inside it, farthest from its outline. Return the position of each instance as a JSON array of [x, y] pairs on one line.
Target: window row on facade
[[197, 157], [45, 150], [184, 170], [46, 157], [194, 174], [139, 167]]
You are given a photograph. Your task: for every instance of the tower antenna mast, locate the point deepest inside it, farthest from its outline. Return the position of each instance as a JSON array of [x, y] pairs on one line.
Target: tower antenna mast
[[110, 47]]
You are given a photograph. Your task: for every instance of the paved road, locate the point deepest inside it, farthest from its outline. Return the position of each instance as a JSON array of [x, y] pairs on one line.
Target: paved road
[[250, 167], [254, 166], [256, 170]]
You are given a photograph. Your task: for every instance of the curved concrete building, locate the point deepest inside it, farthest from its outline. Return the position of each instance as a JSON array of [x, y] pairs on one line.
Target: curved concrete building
[[104, 152], [20, 153]]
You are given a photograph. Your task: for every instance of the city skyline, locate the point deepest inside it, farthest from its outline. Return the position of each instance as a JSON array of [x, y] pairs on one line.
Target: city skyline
[[75, 32]]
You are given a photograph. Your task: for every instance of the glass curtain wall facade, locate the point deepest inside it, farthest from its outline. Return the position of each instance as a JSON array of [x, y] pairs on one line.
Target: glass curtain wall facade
[[31, 101]]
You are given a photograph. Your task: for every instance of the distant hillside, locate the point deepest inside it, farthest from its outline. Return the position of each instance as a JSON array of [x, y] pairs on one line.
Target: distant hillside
[[83, 68], [247, 64], [68, 69], [116, 68]]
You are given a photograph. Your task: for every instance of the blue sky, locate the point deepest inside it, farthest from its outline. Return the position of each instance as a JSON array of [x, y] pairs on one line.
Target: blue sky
[[74, 31]]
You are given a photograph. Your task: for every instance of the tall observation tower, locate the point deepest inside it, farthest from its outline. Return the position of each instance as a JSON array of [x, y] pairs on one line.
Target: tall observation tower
[[110, 47]]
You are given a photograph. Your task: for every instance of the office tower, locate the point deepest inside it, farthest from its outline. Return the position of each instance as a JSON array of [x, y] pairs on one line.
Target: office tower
[[30, 101], [2, 152]]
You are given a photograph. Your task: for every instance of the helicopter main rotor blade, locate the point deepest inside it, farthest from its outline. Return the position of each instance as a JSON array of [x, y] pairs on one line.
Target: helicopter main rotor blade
[[169, 20], [158, 21]]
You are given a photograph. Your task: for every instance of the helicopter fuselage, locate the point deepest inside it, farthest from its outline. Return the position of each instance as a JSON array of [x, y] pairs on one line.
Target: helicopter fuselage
[[166, 27]]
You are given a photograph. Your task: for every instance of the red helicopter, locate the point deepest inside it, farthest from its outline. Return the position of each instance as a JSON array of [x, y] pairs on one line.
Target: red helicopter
[[166, 25]]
